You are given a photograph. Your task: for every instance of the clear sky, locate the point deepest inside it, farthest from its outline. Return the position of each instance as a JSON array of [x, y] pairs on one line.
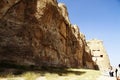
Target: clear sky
[[98, 19]]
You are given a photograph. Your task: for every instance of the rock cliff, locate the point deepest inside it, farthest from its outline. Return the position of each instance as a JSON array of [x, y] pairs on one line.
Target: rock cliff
[[39, 32]]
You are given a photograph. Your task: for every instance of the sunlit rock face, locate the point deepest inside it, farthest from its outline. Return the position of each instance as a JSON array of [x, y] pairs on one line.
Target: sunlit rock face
[[99, 54], [84, 51], [38, 32]]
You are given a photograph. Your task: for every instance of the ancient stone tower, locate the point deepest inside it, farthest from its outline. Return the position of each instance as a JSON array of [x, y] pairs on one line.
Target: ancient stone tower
[[99, 54]]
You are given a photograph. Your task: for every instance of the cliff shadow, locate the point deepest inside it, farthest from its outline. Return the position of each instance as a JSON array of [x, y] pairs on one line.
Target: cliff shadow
[[61, 71], [18, 70]]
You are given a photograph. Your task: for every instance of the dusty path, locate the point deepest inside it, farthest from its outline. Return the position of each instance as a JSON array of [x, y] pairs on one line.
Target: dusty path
[[103, 77]]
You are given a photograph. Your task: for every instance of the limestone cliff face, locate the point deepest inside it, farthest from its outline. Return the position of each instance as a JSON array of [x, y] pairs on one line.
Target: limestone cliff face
[[99, 54], [38, 32]]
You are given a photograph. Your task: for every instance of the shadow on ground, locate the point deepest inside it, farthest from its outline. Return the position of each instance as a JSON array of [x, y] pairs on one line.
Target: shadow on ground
[[17, 70]]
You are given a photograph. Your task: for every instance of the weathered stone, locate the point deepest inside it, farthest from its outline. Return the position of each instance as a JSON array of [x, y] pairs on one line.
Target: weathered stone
[[87, 60], [63, 11], [38, 32], [5, 5], [99, 54]]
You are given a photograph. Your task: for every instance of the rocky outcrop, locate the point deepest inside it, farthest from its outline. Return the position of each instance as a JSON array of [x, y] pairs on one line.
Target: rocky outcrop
[[99, 54], [83, 51], [38, 32]]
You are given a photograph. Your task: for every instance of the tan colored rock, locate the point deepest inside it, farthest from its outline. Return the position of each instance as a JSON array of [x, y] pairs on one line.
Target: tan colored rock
[[99, 54], [87, 57], [63, 11], [38, 32], [5, 5], [83, 51]]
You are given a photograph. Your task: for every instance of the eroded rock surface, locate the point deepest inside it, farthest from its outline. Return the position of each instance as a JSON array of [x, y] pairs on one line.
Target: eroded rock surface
[[38, 32]]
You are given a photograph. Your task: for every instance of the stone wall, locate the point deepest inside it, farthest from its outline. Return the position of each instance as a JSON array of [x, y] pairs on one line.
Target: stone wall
[[99, 54]]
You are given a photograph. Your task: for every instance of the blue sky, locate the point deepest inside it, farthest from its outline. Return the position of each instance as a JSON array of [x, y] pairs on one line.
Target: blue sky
[[98, 19]]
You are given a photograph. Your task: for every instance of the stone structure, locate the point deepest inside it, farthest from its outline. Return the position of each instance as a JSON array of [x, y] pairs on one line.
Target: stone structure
[[99, 54], [38, 32]]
